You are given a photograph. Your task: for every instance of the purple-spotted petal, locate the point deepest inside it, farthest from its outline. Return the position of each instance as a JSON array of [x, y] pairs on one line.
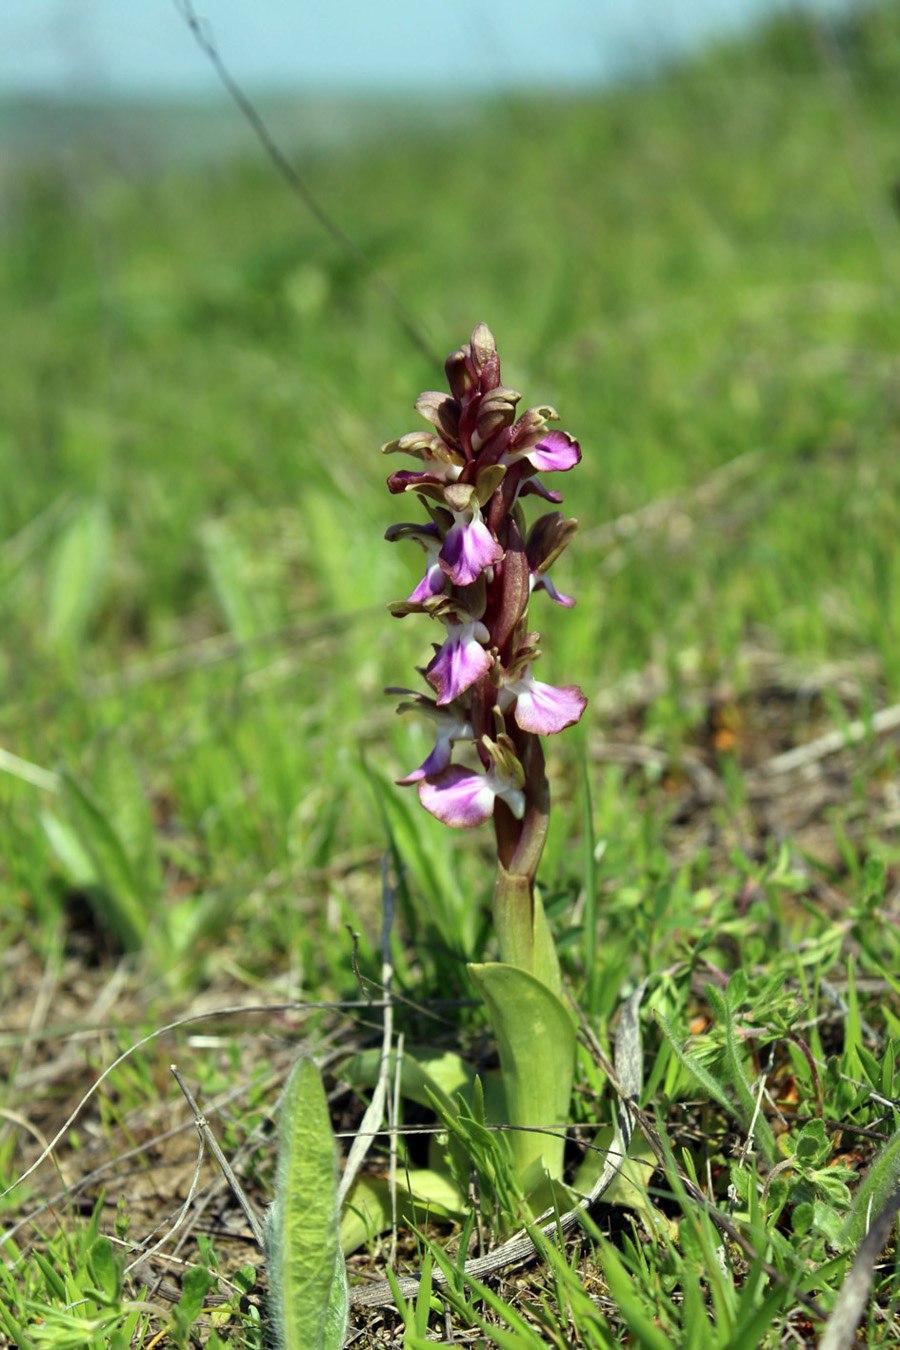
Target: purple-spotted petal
[[558, 450], [459, 797], [545, 708], [464, 798], [468, 549], [460, 662]]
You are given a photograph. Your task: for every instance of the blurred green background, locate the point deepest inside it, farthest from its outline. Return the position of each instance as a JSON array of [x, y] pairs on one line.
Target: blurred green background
[[195, 382]]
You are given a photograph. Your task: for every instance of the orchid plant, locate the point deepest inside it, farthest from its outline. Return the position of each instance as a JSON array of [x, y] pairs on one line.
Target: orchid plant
[[478, 461]]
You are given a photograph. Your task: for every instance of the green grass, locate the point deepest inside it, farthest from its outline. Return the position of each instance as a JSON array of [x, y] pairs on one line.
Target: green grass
[[195, 383]]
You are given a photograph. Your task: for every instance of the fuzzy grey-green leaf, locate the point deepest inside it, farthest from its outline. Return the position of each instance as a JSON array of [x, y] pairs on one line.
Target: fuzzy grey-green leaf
[[307, 1276]]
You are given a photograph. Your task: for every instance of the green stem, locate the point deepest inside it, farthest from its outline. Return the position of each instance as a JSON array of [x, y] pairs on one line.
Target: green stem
[[523, 993], [522, 930], [519, 919]]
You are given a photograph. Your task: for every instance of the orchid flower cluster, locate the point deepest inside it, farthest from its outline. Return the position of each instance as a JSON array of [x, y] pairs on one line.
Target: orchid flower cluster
[[478, 460]]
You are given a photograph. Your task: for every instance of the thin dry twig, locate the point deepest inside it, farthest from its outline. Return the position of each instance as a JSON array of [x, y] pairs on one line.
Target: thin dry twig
[[374, 1114], [210, 1140], [880, 723], [840, 1330], [301, 189], [147, 1253]]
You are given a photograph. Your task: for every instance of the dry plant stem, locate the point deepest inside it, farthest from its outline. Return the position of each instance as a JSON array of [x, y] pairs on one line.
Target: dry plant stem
[[209, 1138], [840, 1333], [374, 1115], [147, 1252], [299, 186], [887, 719]]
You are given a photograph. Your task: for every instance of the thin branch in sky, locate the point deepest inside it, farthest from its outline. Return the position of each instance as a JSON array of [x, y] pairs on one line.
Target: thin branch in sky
[[205, 40]]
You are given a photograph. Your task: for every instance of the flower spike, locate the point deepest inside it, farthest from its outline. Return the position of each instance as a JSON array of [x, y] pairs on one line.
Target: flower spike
[[477, 459]]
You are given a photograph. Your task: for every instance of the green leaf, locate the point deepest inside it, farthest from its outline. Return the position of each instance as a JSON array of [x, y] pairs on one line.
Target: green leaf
[[119, 894], [106, 1271], [428, 1077], [66, 844], [307, 1276], [420, 1193], [648, 1335], [228, 569], [877, 1185], [78, 574], [423, 1297], [813, 1146], [117, 783], [737, 989], [195, 1285], [536, 1041], [853, 1029], [724, 1010], [828, 1222], [56, 1287], [871, 1069], [14, 1330], [751, 1325], [423, 1070], [887, 1069], [521, 1335], [707, 1080], [874, 880], [803, 1217]]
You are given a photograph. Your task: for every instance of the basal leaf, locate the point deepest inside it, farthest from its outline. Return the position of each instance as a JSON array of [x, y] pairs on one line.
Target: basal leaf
[[441, 1072], [536, 1041], [420, 1193]]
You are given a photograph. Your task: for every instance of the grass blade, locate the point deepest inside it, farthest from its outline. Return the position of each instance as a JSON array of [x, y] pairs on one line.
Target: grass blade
[[119, 894], [78, 575], [877, 1186]]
